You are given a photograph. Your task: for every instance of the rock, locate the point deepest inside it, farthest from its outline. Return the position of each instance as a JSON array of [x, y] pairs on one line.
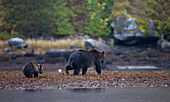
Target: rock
[[109, 42], [4, 58], [6, 50], [15, 56], [108, 62], [56, 53], [163, 44], [134, 39], [113, 31], [91, 43], [49, 38], [128, 33], [151, 27], [79, 37], [84, 37], [29, 55], [17, 43], [126, 25], [74, 47]]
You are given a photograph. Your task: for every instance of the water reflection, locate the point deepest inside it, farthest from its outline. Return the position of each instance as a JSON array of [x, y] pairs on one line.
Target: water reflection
[[87, 90], [33, 90], [70, 90], [133, 70]]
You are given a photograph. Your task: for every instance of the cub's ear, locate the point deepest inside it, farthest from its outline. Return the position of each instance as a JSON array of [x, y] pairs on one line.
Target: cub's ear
[[102, 52]]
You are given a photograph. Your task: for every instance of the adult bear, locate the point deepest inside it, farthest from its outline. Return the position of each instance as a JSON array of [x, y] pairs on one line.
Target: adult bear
[[85, 59], [32, 68]]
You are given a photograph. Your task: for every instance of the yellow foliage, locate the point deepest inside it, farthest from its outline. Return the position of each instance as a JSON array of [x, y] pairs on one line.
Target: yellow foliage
[[105, 24], [101, 20], [98, 4], [104, 4], [106, 19], [102, 8]]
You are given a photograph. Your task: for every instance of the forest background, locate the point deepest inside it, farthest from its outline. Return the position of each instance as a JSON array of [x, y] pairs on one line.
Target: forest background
[[58, 18]]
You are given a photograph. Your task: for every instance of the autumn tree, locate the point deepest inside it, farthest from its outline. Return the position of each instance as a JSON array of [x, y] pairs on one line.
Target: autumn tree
[[31, 18]]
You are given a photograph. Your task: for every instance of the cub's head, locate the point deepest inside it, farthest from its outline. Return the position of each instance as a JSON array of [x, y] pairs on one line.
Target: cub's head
[[40, 68], [99, 55]]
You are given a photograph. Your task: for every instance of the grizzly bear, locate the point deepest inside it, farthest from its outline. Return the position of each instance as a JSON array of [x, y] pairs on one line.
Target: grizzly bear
[[83, 59], [32, 68]]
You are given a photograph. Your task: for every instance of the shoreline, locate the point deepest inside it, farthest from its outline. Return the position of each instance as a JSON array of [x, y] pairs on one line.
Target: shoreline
[[13, 80]]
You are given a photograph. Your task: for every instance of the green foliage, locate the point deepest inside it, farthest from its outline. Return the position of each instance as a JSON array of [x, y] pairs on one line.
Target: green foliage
[[62, 13], [29, 18], [5, 35], [98, 17], [34, 18], [161, 16]]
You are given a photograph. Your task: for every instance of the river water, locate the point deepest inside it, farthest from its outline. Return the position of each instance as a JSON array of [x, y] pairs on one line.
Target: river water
[[87, 95]]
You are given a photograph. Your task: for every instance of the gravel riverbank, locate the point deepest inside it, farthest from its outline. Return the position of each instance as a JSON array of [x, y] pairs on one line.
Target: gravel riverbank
[[55, 80]]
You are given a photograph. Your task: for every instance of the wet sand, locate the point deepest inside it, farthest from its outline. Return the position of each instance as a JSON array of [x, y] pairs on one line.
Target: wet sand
[[87, 95]]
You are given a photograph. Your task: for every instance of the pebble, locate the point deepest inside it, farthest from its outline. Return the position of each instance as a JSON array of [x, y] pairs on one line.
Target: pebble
[[51, 80]]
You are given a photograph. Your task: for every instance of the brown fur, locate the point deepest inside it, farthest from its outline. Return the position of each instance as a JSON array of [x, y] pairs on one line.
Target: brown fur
[[83, 59], [31, 69]]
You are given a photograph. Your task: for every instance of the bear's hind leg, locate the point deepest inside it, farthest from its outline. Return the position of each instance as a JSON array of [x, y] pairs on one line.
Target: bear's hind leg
[[84, 70], [68, 68]]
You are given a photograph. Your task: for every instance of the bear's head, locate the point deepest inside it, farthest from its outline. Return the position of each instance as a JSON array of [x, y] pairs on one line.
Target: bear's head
[[40, 68], [99, 55]]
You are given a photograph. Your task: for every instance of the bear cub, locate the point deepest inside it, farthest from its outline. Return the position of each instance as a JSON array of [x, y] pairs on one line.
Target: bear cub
[[83, 59], [31, 69]]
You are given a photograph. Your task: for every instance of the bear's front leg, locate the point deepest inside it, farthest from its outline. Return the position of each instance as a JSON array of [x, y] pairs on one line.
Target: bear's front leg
[[84, 70], [98, 68], [36, 74], [76, 71]]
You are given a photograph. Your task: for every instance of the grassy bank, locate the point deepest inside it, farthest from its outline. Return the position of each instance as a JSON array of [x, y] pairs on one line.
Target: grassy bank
[[43, 45], [58, 44], [3, 44]]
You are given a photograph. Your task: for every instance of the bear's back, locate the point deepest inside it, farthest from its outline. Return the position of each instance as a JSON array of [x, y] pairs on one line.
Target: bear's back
[[30, 68], [83, 53], [80, 55]]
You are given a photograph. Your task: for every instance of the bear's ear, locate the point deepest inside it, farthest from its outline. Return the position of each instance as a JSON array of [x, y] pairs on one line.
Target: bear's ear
[[39, 65], [103, 52]]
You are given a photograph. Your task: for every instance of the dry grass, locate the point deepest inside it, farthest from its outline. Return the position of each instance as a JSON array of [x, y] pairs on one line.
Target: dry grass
[[42, 45], [3, 44], [58, 44]]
